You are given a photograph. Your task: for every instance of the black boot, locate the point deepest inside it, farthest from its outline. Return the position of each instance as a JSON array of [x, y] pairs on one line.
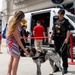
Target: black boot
[[64, 70], [56, 69]]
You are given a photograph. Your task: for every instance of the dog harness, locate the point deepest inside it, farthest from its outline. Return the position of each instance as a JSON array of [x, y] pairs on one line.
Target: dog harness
[[41, 55]]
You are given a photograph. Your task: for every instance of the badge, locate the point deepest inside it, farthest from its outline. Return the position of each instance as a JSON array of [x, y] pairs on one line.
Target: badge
[[58, 31], [58, 26]]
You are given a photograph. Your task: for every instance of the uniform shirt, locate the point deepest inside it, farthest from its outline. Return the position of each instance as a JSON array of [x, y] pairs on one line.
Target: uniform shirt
[[38, 32], [61, 27], [23, 33]]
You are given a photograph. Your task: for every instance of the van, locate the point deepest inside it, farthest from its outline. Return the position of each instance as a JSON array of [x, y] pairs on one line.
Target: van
[[48, 16]]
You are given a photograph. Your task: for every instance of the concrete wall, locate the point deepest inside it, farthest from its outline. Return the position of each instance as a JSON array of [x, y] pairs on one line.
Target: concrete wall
[[31, 5], [26, 5]]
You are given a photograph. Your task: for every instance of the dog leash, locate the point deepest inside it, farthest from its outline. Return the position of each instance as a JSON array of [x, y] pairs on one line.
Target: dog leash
[[61, 51], [63, 47]]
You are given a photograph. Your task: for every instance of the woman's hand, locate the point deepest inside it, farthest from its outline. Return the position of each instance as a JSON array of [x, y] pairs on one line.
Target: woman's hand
[[66, 41], [26, 52]]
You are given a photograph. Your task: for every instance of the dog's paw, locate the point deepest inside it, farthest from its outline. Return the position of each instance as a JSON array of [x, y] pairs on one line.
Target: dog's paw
[[60, 69]]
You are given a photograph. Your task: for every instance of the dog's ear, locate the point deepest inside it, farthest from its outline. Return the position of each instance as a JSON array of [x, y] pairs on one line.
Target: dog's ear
[[28, 49], [33, 50]]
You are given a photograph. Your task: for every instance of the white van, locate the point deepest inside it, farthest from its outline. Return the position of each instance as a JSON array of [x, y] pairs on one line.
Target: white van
[[49, 16]]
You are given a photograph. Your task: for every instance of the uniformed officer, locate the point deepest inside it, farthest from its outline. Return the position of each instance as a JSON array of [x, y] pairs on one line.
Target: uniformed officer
[[23, 34], [61, 34]]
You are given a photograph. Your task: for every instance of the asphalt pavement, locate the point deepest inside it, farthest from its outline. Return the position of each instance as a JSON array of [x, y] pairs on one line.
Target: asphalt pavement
[[27, 66]]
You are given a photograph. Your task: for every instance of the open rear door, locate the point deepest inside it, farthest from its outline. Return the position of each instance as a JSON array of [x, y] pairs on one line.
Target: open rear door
[[44, 18]]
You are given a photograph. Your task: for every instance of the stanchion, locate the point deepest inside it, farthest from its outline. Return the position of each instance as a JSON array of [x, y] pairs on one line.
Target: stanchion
[[0, 44], [0, 48], [1, 53], [71, 50]]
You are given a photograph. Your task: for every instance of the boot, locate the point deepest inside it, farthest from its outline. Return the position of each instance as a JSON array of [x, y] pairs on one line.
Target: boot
[[64, 71]]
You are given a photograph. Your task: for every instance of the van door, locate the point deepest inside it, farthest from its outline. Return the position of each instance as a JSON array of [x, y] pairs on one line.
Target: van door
[[28, 18], [51, 25], [44, 18]]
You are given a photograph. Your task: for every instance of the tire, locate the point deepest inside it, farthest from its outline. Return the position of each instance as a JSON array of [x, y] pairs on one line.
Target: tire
[[57, 1]]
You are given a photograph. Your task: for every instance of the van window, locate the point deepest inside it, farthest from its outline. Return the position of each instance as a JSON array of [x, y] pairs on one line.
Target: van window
[[55, 18], [72, 18]]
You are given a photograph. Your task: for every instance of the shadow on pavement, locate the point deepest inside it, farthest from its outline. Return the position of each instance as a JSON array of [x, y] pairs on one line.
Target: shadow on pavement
[[73, 72]]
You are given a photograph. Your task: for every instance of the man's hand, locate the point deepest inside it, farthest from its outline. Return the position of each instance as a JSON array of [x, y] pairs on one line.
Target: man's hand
[[50, 41], [25, 40], [45, 40]]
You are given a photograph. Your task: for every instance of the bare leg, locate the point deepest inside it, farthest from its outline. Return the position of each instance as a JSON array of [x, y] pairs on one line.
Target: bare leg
[[15, 64], [10, 66]]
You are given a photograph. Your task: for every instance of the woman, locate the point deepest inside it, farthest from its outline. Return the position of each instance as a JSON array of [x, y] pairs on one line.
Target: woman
[[13, 41]]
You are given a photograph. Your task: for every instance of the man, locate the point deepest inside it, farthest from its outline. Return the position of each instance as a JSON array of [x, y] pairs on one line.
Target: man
[[61, 35], [23, 34], [38, 32]]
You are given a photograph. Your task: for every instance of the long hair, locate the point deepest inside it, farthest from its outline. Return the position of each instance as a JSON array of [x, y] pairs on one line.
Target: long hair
[[16, 18]]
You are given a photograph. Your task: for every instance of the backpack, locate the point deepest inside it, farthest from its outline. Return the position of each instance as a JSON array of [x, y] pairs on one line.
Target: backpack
[[4, 32]]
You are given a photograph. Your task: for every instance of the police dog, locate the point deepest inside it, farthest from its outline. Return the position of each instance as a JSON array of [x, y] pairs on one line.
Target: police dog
[[50, 55]]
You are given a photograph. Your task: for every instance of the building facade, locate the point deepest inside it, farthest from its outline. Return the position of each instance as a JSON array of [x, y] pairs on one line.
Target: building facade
[[10, 6]]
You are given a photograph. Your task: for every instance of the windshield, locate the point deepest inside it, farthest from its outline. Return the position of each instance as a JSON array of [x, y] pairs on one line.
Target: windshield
[[72, 18]]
